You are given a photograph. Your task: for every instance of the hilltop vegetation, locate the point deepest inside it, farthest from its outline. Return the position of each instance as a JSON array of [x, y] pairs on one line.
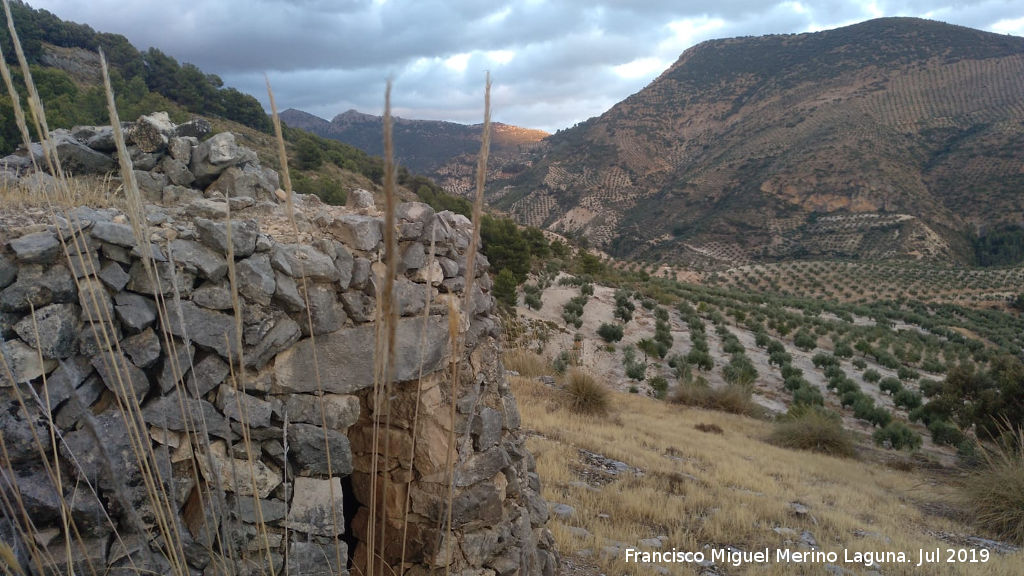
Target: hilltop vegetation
[[66, 71]]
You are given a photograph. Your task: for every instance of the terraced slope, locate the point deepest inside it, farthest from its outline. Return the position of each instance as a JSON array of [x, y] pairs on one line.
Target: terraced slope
[[892, 137]]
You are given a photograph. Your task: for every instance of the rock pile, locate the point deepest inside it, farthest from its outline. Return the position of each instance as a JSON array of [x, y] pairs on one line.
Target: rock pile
[[170, 163], [177, 402]]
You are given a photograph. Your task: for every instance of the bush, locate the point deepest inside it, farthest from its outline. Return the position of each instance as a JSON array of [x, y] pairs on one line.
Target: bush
[[847, 385], [587, 394], [730, 398], [794, 383], [898, 436], [561, 363], [761, 339], [859, 363], [636, 370], [907, 399], [610, 332], [788, 371], [659, 385], [843, 349], [813, 429], [849, 398], [740, 370], [871, 375], [904, 373], [700, 358], [930, 388], [779, 358], [890, 385], [995, 492], [945, 432], [805, 340], [822, 359], [808, 395]]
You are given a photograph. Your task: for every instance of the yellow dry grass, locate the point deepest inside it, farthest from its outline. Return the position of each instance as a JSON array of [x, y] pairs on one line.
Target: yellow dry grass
[[732, 489]]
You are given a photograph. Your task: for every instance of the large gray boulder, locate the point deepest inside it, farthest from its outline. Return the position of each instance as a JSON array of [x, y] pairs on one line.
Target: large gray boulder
[[211, 158], [349, 353], [77, 158], [151, 132]]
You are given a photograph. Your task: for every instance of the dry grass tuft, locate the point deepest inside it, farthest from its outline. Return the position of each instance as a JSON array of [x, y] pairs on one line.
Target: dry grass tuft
[[814, 430], [527, 364], [732, 398], [709, 428], [995, 492], [588, 395]]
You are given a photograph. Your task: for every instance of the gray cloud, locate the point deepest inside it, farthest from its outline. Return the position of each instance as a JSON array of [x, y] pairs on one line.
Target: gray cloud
[[554, 63]]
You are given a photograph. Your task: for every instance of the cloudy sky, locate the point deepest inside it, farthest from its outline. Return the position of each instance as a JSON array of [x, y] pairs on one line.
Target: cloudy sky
[[553, 63]]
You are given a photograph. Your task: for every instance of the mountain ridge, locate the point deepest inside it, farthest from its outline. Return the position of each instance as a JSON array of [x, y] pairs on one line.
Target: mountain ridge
[[730, 152]]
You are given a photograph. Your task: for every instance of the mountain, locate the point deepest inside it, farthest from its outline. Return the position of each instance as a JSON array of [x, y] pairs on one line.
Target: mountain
[[892, 137], [444, 150]]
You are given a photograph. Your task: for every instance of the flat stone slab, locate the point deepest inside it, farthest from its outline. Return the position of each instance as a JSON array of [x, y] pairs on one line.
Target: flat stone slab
[[349, 354]]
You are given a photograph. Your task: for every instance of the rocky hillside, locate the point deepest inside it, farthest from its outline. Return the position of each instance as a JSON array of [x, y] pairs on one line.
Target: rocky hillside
[[887, 138], [445, 151], [193, 388]]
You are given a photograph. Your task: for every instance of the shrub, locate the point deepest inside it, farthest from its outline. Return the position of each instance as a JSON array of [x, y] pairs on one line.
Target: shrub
[[847, 385], [561, 362], [813, 429], [879, 417], [945, 432], [872, 375], [905, 373], [793, 383], [929, 388], [849, 398], [636, 370], [730, 398], [822, 359], [659, 385], [739, 370], [700, 358], [610, 332], [859, 363], [890, 385], [843, 349], [834, 371], [995, 491], [907, 399], [533, 301], [808, 395], [761, 339], [805, 340], [709, 428], [788, 371], [587, 394], [732, 345], [780, 358], [898, 436]]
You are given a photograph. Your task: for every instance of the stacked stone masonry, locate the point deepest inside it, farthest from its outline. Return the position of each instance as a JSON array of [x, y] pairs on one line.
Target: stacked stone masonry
[[273, 406]]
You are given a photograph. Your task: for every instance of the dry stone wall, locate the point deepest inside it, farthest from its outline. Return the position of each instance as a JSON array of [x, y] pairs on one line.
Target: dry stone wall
[[189, 438]]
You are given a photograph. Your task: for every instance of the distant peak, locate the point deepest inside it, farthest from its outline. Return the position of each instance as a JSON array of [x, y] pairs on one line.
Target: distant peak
[[352, 115]]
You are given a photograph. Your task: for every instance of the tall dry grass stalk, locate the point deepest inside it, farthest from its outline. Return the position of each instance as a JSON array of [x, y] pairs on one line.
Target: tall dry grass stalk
[[290, 208], [467, 303]]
